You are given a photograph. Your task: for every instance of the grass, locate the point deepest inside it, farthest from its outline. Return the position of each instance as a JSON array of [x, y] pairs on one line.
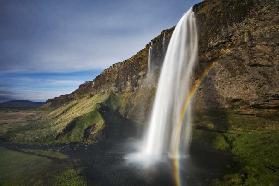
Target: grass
[[253, 142], [76, 129], [114, 102], [19, 168], [32, 167], [51, 124], [13, 119], [70, 122], [257, 153], [46, 153], [69, 177]]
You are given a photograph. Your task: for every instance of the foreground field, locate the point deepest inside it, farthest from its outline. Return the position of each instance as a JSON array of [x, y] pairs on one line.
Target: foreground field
[[228, 149], [36, 167], [252, 140]]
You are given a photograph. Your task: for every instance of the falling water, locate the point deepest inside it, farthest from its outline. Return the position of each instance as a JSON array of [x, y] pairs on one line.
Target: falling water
[[168, 135], [169, 131]]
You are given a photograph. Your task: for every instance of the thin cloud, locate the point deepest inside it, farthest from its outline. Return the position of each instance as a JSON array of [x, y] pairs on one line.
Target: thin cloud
[[68, 36], [74, 36]]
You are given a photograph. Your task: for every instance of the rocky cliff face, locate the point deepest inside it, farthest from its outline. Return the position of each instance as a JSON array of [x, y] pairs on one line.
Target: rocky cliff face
[[238, 41], [238, 69], [123, 77]]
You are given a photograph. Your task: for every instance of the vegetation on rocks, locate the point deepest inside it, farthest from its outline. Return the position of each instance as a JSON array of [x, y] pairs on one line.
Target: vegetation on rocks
[[77, 114], [237, 101], [253, 141], [69, 177]]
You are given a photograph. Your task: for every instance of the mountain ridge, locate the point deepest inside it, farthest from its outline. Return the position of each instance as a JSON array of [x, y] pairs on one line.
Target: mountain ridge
[[112, 78], [20, 104], [226, 31]]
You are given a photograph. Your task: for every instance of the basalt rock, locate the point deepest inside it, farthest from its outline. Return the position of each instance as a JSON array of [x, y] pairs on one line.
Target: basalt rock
[[238, 41], [126, 76], [241, 39]]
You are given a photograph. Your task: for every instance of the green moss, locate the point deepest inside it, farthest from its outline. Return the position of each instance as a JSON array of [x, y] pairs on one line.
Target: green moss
[[34, 167], [230, 180], [69, 122], [114, 102], [216, 140], [221, 143], [205, 137], [253, 142], [259, 151], [51, 124], [75, 130], [19, 168], [46, 153], [258, 154], [69, 177]]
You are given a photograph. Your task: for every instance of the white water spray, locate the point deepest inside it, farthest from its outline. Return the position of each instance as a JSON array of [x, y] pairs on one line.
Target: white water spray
[[169, 130]]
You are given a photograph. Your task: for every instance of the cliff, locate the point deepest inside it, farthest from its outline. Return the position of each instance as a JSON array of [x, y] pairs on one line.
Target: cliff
[[126, 76], [238, 39], [241, 39], [238, 68]]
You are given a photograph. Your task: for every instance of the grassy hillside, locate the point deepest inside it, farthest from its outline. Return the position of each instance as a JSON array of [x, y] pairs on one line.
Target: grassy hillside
[[252, 140], [64, 124], [87, 120]]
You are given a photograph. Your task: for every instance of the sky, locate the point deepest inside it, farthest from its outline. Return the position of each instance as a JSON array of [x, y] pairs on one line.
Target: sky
[[50, 47]]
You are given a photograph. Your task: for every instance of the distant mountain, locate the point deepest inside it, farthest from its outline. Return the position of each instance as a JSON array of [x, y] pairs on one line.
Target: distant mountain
[[20, 104]]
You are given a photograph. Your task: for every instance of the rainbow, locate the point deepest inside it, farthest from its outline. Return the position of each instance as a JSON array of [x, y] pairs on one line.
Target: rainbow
[[176, 161]]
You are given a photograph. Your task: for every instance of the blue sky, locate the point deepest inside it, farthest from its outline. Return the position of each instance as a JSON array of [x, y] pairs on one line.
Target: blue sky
[[49, 47]]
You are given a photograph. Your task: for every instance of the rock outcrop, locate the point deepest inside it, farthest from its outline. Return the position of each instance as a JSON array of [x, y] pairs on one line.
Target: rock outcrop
[[126, 76], [241, 39], [238, 41]]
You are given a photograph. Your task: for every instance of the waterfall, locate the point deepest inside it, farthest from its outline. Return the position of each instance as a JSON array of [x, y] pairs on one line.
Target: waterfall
[[169, 130]]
